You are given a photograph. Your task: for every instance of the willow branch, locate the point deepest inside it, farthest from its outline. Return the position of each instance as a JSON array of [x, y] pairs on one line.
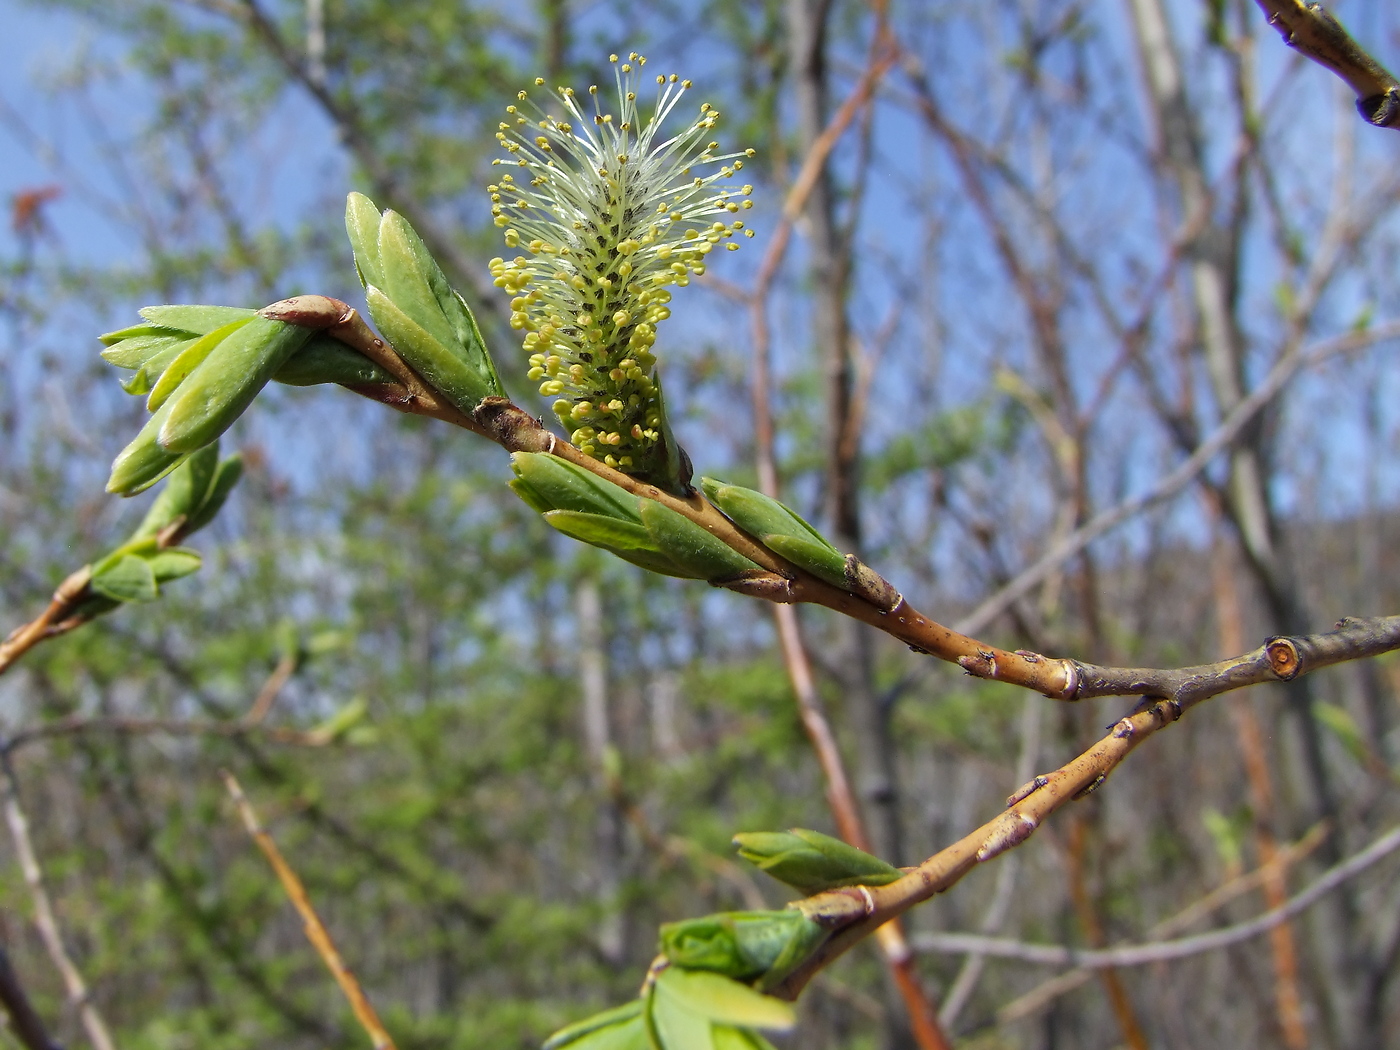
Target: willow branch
[[856, 912], [44, 918], [1164, 951], [1311, 31], [316, 931]]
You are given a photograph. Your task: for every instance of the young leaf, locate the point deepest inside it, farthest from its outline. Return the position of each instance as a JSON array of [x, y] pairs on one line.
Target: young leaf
[[565, 486], [812, 862], [674, 1026], [173, 563], [327, 360], [721, 999], [362, 226], [690, 546], [186, 362], [225, 383], [143, 462], [820, 559], [128, 578], [199, 320], [618, 1015], [439, 365]]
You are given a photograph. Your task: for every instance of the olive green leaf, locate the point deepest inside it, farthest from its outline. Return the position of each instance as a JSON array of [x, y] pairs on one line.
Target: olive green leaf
[[625, 1017], [327, 360], [563, 486], [811, 862], [225, 383], [174, 371], [124, 578], [779, 528], [692, 547], [718, 998]]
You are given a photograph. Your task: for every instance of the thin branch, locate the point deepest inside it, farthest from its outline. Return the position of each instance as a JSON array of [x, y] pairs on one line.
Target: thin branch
[[1311, 31], [1176, 480], [856, 912], [316, 931], [78, 994], [1164, 951]]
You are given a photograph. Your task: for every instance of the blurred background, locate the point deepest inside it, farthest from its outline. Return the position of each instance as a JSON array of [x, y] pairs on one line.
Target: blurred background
[[1054, 246]]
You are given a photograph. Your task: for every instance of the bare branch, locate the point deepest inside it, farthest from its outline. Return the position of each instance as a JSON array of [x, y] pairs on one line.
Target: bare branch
[[1163, 951], [1311, 31], [78, 994], [25, 1021], [316, 931]]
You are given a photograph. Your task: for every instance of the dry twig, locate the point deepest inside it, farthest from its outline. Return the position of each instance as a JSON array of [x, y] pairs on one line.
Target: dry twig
[[316, 931]]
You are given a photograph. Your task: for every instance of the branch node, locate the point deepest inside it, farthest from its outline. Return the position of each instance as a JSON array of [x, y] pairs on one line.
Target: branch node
[[1011, 830], [868, 584], [512, 427], [1123, 728], [1284, 659], [769, 586]]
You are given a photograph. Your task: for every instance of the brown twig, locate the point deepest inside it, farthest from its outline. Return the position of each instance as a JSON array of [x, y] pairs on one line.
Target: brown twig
[[79, 997], [316, 931], [1311, 31], [1041, 995], [70, 594], [1167, 951], [1167, 696]]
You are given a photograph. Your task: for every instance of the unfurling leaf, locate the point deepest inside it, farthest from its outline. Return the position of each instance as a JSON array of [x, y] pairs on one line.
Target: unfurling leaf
[[614, 1024], [751, 946], [811, 862]]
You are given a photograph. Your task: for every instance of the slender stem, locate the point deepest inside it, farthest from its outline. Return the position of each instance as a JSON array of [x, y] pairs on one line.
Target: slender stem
[[78, 994], [857, 912], [316, 931]]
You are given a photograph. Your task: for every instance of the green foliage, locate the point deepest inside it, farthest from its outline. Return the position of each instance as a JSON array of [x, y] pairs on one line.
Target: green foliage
[[812, 862]]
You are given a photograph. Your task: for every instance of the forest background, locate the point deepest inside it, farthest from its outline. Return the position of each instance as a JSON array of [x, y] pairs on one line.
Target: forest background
[[1055, 244]]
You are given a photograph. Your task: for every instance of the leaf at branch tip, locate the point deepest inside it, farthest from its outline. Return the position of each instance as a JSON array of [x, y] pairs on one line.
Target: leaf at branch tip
[[619, 1017], [340, 723], [564, 486], [362, 227], [128, 578], [178, 368], [143, 462], [225, 383], [149, 343], [197, 320], [692, 547], [811, 862], [721, 999]]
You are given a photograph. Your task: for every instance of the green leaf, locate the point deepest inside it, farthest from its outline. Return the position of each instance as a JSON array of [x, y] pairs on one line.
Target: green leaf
[[607, 1019], [184, 491], [190, 358], [225, 383], [405, 280], [128, 578], [134, 351], [143, 462], [727, 1038], [673, 1026], [691, 547], [757, 514], [362, 227], [601, 531], [327, 360], [225, 477], [720, 999], [200, 320], [447, 372], [138, 335], [148, 375], [812, 862], [819, 558], [173, 563], [565, 486]]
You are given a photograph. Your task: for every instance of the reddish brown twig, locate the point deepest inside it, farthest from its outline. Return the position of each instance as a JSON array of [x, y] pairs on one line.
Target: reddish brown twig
[[316, 931]]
